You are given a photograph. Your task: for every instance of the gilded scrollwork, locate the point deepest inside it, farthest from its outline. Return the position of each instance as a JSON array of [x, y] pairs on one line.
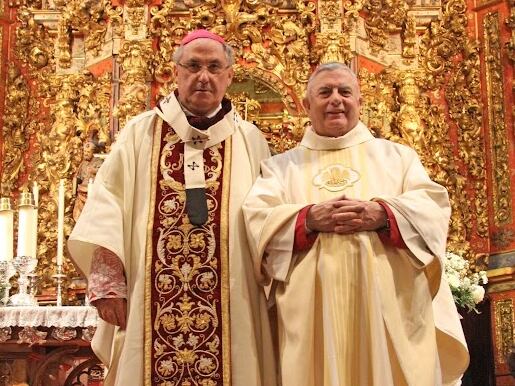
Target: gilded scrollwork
[[32, 41], [463, 95], [332, 46], [15, 132], [443, 40], [247, 107], [131, 103], [496, 122], [89, 19], [383, 18], [336, 22], [93, 109], [510, 23], [60, 154], [429, 93], [136, 20], [409, 38], [504, 321], [134, 57], [331, 13]]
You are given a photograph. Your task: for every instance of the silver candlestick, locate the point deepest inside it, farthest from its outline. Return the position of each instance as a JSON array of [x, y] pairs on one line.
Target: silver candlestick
[[24, 265], [6, 272], [33, 283], [59, 277]]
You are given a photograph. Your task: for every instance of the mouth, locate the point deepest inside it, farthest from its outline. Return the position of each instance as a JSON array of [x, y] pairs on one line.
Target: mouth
[[335, 114]]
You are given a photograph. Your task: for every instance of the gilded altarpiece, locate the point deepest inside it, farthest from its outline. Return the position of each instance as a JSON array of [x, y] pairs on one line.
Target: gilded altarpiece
[[435, 75]]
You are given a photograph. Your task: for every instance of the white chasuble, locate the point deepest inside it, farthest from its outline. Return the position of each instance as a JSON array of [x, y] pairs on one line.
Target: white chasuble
[[353, 311], [120, 217]]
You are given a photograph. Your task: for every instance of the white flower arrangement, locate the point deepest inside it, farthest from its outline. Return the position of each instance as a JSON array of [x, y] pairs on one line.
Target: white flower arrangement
[[466, 288]]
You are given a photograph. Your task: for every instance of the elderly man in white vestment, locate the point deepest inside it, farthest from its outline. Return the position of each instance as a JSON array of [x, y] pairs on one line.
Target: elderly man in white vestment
[[352, 231], [162, 238]]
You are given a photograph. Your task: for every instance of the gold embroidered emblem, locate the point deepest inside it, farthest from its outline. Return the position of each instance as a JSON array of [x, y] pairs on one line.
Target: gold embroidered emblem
[[336, 178]]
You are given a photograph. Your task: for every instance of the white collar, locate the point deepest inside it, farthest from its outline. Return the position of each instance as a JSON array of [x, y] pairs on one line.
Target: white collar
[[171, 111], [359, 134]]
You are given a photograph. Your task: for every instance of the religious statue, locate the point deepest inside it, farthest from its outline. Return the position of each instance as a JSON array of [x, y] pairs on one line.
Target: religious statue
[[86, 171]]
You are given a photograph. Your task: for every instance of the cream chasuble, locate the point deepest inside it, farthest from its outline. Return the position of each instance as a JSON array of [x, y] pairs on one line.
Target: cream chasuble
[[351, 310], [119, 216]]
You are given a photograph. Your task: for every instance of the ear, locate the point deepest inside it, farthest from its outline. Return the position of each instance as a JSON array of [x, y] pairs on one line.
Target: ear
[[306, 104], [230, 75], [175, 74]]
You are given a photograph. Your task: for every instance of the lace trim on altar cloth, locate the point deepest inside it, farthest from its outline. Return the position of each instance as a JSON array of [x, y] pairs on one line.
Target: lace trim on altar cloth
[[67, 316]]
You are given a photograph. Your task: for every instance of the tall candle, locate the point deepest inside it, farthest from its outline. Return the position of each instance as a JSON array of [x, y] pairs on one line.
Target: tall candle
[[6, 230], [27, 226], [34, 233], [35, 192], [60, 222]]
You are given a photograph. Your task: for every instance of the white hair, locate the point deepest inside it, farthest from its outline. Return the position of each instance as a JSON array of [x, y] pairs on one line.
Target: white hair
[[331, 66]]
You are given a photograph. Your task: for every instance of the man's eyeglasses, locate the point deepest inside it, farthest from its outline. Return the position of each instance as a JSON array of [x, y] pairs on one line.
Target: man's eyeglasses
[[212, 68]]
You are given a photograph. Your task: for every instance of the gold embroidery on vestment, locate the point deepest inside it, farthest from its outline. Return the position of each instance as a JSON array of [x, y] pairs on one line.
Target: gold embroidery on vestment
[[186, 343], [156, 146], [224, 255], [336, 178]]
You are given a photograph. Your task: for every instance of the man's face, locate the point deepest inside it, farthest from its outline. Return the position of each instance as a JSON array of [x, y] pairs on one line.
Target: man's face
[[201, 92], [333, 103]]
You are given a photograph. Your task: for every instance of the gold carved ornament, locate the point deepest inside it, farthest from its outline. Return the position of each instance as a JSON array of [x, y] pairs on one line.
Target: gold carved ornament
[[446, 39], [504, 322], [501, 171], [275, 46]]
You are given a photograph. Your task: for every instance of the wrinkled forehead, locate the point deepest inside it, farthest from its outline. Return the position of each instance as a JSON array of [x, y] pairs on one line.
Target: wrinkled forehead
[[337, 78], [204, 50]]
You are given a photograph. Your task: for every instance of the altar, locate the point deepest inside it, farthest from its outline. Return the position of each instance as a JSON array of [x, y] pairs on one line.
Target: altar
[[48, 345]]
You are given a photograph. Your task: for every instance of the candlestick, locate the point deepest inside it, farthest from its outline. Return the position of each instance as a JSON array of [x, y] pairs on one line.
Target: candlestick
[[59, 277], [6, 272], [24, 265], [60, 223], [6, 229], [27, 226]]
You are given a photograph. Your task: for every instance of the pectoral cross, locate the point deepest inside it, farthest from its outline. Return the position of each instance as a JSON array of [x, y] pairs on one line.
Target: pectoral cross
[[193, 165]]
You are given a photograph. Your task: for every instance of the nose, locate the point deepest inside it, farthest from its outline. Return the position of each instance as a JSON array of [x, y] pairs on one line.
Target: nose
[[335, 98], [203, 76]]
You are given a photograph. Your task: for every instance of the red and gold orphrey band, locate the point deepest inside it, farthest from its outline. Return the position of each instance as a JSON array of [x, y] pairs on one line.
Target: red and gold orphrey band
[[187, 325]]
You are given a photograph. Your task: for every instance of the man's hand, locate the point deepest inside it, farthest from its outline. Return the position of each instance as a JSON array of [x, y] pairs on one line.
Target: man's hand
[[344, 216], [320, 216], [112, 310], [352, 215]]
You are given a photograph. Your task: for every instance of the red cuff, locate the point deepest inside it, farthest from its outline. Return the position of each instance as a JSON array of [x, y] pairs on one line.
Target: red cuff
[[303, 239], [392, 237]]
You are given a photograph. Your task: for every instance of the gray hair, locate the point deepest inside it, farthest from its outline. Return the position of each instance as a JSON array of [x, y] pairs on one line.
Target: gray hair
[[229, 54], [330, 66]]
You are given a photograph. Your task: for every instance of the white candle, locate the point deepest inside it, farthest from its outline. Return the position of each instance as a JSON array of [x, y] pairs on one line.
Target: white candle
[[35, 193], [60, 222], [27, 231], [34, 234], [6, 234]]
